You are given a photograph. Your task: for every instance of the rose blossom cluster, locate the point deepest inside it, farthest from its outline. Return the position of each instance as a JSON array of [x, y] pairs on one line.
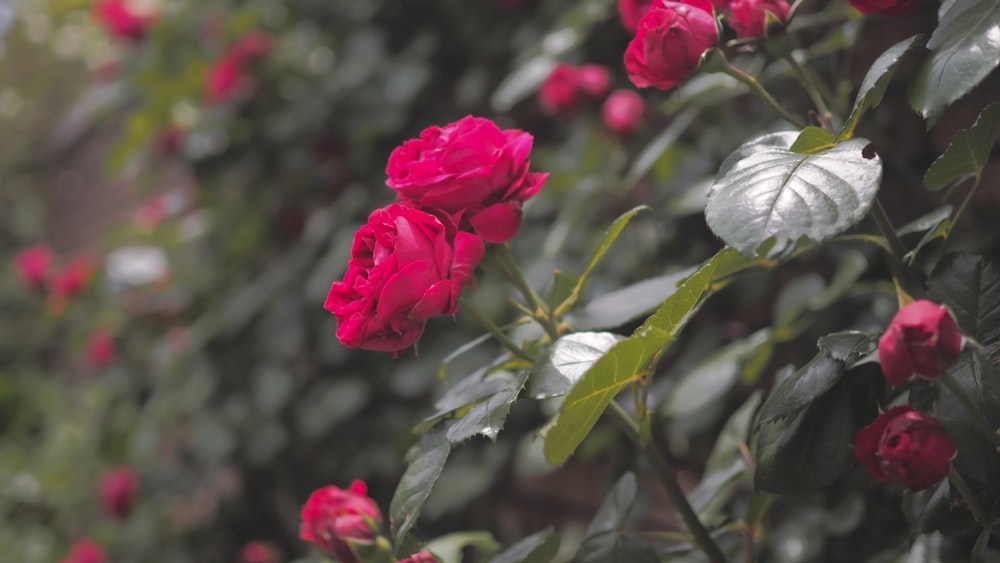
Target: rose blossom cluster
[[456, 187], [34, 267], [342, 522], [902, 444]]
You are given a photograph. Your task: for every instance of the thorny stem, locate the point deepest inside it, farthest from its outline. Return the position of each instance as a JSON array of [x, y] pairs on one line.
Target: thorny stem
[[758, 89], [668, 479], [963, 397], [493, 329], [513, 271]]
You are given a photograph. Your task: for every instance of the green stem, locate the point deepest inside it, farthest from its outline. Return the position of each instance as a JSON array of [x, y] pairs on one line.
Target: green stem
[[513, 271], [963, 397], [966, 493], [493, 329], [669, 480], [965, 203], [758, 89], [897, 250], [809, 83]]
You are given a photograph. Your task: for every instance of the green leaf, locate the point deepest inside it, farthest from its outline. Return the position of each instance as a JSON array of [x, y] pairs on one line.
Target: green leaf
[[970, 285], [712, 379], [964, 49], [474, 388], [625, 361], [968, 153], [928, 510], [812, 139], [811, 449], [565, 362], [776, 193], [449, 548], [426, 461], [735, 433], [875, 82], [627, 304], [614, 547], [838, 353], [659, 145], [540, 547], [617, 507], [926, 222], [488, 417]]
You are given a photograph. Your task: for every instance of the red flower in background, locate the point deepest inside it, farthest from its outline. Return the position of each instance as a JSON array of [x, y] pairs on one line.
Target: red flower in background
[[229, 76], [669, 43], [471, 170], [32, 265], [73, 279], [121, 20], [101, 348], [921, 340], [406, 267], [85, 551], [749, 17], [258, 552], [560, 93], [117, 490], [420, 557], [594, 80], [332, 517], [622, 111], [905, 446], [887, 7]]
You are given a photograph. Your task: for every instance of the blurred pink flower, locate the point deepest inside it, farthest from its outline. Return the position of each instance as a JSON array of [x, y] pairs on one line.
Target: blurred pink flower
[[101, 348], [229, 77], [259, 552], [117, 489], [122, 21], [32, 265], [85, 551]]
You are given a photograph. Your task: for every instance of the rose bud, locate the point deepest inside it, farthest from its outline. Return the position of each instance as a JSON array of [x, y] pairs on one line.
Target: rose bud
[[594, 80], [32, 265], [406, 266], [887, 7], [631, 11], [117, 489], [669, 43], [622, 111], [922, 340], [333, 518], [420, 557], [85, 551], [905, 446], [749, 17], [471, 170], [73, 279], [560, 93], [258, 552], [121, 20], [101, 348]]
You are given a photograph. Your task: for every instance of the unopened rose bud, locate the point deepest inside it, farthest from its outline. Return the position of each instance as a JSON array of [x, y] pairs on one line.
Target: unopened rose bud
[[921, 340], [905, 446], [622, 111], [420, 557], [560, 93], [594, 80], [749, 17], [669, 43], [334, 518]]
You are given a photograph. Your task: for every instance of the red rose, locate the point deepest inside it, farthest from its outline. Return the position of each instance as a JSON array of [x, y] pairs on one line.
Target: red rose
[[420, 557], [32, 265], [406, 266], [905, 446], [85, 551], [922, 340], [749, 17], [101, 348], [622, 111], [332, 517], [258, 552], [594, 80], [121, 20], [117, 489], [887, 7], [669, 43], [73, 279], [228, 77], [560, 93], [470, 169], [631, 11]]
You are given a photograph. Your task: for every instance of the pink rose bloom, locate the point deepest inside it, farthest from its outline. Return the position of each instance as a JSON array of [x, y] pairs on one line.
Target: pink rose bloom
[[749, 17], [230, 77], [420, 557], [594, 80], [560, 93], [258, 552], [117, 490], [406, 267], [73, 279], [471, 170], [905, 446], [332, 517], [85, 551], [887, 7], [669, 43], [631, 11], [101, 348], [32, 265], [921, 340], [622, 111], [121, 20]]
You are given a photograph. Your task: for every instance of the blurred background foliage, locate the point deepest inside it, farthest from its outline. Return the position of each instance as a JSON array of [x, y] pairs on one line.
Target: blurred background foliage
[[216, 229]]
